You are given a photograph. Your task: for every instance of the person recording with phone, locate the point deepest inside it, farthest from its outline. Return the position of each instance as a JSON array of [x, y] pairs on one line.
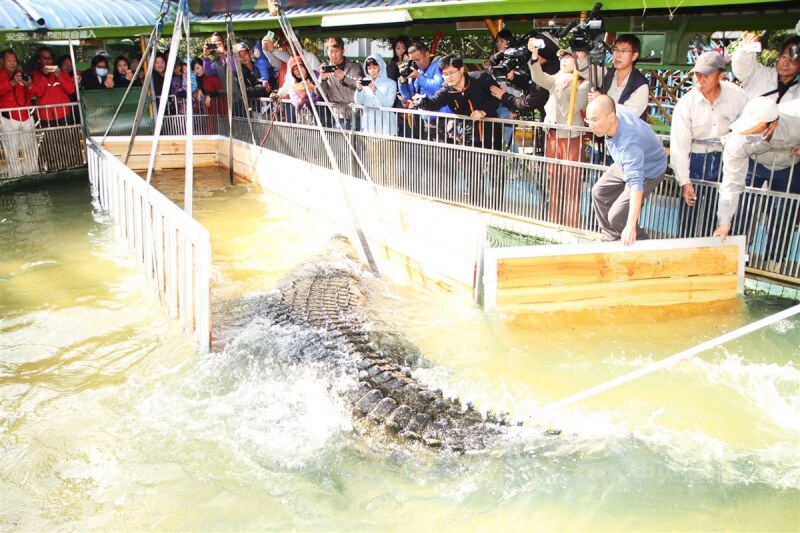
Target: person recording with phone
[[375, 90], [54, 87], [16, 91], [338, 80]]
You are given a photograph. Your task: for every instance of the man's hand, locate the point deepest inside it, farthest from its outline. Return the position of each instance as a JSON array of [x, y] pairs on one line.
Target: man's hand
[[414, 74], [268, 44], [722, 231], [339, 73], [477, 115], [628, 235], [688, 194], [592, 94], [795, 150], [497, 92]]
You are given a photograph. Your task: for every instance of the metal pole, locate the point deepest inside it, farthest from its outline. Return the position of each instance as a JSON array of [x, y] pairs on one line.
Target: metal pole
[[188, 189]]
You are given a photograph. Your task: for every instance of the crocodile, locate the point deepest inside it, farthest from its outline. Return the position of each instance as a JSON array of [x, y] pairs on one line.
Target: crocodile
[[328, 298]]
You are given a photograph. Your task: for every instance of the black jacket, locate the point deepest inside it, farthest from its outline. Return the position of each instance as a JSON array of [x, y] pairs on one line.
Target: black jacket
[[474, 96]]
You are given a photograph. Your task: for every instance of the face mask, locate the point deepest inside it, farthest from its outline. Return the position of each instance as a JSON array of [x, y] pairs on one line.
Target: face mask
[[102, 72], [753, 139]]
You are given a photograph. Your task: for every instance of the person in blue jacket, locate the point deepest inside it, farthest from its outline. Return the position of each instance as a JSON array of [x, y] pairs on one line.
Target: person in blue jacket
[[422, 77], [264, 66], [380, 92]]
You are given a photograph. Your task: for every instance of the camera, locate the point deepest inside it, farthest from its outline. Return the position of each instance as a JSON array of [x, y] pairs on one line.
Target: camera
[[513, 58], [26, 76], [210, 47], [407, 68], [582, 36], [329, 69], [365, 81]]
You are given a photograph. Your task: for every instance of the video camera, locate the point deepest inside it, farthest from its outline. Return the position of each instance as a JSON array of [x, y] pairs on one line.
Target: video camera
[[407, 68], [329, 69], [583, 37], [515, 58]]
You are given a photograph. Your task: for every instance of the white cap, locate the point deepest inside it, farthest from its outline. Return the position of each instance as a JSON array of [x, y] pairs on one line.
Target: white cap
[[757, 111]]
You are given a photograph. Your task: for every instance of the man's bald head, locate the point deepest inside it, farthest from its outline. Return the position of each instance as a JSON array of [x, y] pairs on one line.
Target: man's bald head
[[601, 115], [602, 104]]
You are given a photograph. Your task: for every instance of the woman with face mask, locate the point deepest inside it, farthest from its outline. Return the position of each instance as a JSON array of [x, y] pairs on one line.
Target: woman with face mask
[[98, 76]]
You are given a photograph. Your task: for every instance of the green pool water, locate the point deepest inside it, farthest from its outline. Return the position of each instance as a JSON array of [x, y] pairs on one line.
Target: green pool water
[[109, 419]]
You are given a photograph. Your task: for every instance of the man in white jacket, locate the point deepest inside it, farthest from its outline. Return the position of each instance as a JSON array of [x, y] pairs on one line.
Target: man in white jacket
[[779, 169], [763, 127], [701, 117]]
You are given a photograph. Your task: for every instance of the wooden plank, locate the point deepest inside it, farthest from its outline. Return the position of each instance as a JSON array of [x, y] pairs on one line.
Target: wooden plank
[[140, 162], [644, 292], [168, 147], [563, 270]]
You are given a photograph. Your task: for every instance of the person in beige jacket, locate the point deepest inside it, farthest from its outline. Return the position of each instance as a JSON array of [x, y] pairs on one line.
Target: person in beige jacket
[[562, 143]]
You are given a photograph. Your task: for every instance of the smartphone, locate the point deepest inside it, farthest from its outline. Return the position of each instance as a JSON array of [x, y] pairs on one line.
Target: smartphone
[[51, 68], [270, 35], [539, 43], [753, 47]]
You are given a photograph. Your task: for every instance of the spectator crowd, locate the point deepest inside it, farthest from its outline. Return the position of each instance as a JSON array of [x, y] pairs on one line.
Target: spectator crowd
[[745, 132]]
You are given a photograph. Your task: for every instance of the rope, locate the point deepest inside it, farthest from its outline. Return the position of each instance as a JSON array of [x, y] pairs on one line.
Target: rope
[[294, 44], [669, 361]]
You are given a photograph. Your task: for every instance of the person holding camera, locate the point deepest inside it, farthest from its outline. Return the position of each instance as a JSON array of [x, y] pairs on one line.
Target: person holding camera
[[97, 77], [16, 91], [532, 97], [779, 169], [376, 90], [338, 80], [640, 163], [566, 89], [422, 76]]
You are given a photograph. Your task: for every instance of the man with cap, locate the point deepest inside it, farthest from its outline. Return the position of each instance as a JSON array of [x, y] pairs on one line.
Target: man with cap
[[763, 126], [640, 163], [701, 117]]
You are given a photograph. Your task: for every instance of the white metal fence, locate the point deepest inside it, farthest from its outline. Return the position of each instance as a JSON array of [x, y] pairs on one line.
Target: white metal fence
[[40, 140], [173, 248]]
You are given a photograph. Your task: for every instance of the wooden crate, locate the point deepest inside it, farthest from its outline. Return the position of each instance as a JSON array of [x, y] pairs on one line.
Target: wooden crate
[[600, 275]]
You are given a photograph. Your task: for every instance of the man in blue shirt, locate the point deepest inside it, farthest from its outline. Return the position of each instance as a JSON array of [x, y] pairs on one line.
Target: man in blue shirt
[[425, 78], [640, 163]]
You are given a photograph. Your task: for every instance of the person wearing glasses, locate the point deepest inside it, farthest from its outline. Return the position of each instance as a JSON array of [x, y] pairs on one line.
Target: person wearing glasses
[[623, 83], [640, 163]]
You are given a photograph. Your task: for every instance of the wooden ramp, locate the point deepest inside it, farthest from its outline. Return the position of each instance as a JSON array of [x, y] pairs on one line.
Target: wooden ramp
[[575, 277]]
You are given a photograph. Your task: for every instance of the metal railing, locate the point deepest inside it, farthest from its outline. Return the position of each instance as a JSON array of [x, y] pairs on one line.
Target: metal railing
[[522, 179], [40, 140], [173, 248]]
